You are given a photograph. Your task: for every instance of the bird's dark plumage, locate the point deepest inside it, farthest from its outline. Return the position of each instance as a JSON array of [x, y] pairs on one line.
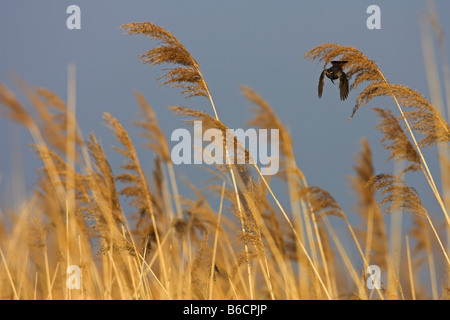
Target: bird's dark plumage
[[333, 73]]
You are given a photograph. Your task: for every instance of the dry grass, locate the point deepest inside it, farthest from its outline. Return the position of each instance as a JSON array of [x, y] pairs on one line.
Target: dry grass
[[250, 246]]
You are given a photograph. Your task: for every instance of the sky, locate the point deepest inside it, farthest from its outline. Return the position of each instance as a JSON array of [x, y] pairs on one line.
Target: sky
[[259, 44]]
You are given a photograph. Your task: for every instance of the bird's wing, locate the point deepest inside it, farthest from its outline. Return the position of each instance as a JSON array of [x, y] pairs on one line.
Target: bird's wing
[[321, 83], [343, 85]]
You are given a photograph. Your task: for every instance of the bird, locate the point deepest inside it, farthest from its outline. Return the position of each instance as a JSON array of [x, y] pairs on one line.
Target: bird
[[333, 73]]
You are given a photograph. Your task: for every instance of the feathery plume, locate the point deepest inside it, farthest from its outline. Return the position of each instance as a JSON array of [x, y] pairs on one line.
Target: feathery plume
[[396, 194], [321, 201], [151, 130], [395, 140], [367, 206], [171, 51]]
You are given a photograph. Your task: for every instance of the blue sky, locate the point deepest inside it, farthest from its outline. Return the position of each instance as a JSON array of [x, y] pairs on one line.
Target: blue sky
[[256, 43]]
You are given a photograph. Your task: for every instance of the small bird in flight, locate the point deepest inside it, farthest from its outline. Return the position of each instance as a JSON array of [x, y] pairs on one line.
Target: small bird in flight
[[335, 72]]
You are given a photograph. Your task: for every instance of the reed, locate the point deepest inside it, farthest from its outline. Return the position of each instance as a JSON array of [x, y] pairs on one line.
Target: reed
[[135, 236]]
